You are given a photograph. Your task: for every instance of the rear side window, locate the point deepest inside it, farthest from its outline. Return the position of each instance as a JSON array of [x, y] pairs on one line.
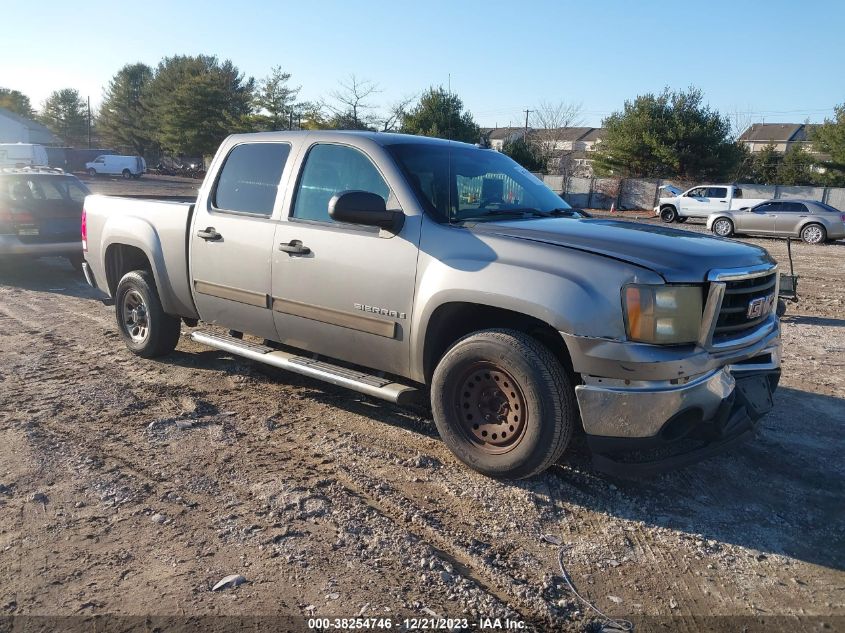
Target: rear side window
[[717, 192], [793, 207], [250, 177], [330, 169]]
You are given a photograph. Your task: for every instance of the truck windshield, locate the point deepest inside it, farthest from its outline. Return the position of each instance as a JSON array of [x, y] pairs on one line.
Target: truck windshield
[[460, 183]]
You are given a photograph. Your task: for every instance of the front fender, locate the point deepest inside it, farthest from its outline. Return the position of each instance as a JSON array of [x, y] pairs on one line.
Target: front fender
[[572, 291]]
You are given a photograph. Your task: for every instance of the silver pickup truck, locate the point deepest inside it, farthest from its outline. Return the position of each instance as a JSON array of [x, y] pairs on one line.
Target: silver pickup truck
[[406, 267]]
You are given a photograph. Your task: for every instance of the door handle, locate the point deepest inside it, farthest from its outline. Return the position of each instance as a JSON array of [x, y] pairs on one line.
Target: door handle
[[722, 200], [210, 234], [294, 247]]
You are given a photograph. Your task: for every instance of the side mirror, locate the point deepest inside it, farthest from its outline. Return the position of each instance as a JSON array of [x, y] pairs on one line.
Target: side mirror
[[363, 207]]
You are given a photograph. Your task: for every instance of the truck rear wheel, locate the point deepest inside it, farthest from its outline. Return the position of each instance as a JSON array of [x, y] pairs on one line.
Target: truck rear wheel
[[503, 403], [145, 327], [668, 214]]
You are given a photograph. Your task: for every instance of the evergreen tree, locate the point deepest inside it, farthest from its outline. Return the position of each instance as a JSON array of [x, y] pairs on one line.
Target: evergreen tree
[[121, 121], [16, 102], [193, 103], [66, 114], [672, 134], [440, 113]]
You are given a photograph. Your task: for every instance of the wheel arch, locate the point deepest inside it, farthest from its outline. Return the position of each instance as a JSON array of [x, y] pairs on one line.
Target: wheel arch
[[453, 320], [809, 221]]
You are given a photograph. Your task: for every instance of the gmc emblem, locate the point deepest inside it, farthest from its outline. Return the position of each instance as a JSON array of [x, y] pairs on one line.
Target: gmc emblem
[[758, 307]]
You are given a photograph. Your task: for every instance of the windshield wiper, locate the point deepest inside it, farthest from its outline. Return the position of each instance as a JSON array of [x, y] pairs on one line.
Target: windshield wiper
[[487, 213], [565, 212]]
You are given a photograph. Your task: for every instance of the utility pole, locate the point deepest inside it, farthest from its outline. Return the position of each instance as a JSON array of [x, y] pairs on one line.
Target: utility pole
[[89, 122], [527, 112]]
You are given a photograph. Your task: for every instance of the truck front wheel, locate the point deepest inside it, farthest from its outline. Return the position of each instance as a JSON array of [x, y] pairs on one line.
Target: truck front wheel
[[668, 214], [503, 403], [145, 327]]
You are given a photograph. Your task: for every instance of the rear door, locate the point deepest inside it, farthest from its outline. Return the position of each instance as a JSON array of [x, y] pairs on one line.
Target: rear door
[[348, 293], [759, 220], [717, 199], [231, 239], [789, 217]]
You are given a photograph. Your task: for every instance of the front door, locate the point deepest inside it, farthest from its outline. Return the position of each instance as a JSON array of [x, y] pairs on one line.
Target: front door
[[232, 240], [695, 203], [341, 290]]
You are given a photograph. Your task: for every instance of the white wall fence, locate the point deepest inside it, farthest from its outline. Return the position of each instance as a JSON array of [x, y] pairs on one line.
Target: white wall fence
[[641, 193]]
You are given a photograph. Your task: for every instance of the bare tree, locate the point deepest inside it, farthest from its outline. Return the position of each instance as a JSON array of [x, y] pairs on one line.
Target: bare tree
[[550, 136], [350, 105], [740, 121], [391, 121]]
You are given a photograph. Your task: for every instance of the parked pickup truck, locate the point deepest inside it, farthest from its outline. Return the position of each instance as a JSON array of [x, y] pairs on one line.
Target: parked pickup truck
[[700, 202], [400, 266]]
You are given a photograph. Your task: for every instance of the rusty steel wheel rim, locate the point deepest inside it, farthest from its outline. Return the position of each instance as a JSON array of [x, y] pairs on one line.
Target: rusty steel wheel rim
[[490, 406]]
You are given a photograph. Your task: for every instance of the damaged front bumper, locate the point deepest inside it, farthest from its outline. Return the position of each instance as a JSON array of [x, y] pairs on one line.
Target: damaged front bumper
[[642, 427]]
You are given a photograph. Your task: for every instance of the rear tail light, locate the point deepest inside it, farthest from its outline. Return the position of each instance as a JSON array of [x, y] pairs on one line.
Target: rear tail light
[[842, 217], [84, 231], [9, 220]]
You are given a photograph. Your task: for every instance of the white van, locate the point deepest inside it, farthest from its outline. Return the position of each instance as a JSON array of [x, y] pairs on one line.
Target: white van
[[22, 155], [113, 165]]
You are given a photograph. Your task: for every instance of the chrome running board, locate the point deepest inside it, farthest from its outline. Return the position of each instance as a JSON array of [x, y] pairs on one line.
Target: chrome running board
[[361, 382]]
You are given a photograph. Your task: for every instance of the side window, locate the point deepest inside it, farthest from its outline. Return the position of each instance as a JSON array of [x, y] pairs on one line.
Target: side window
[[737, 192], [717, 192], [20, 190], [249, 179], [700, 192], [793, 207], [330, 169]]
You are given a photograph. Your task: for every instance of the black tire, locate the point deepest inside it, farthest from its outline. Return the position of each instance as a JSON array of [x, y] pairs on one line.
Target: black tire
[[814, 234], [479, 368], [160, 331], [76, 262], [781, 308], [668, 214], [126, 174], [92, 172], [723, 227]]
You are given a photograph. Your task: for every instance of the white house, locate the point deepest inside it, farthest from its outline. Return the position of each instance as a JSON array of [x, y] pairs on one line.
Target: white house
[[17, 129]]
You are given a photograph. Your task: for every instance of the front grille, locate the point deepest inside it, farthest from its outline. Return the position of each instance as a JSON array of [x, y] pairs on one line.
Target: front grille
[[733, 316]]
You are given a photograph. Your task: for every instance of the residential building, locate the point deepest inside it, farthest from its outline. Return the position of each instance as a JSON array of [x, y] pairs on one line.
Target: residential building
[[781, 135], [498, 136], [15, 128]]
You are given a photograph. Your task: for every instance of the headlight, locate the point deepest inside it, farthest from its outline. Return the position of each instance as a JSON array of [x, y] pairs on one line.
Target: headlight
[[663, 314]]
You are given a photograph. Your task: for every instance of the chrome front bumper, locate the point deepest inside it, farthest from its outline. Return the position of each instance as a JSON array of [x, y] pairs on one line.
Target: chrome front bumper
[[611, 408], [617, 407]]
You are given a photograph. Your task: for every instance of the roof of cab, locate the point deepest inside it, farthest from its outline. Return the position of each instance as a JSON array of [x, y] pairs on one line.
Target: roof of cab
[[382, 138]]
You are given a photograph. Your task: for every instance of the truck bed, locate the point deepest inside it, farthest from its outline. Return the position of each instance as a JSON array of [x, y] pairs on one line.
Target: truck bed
[[158, 228]]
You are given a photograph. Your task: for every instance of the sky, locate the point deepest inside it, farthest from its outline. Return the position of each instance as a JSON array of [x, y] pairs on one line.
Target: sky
[[772, 61]]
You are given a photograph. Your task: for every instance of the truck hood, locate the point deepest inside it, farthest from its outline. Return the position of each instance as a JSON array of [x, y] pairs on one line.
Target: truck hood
[[671, 190], [678, 256]]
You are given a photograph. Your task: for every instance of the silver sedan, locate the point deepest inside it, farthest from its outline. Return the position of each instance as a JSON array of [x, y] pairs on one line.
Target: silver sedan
[[812, 221]]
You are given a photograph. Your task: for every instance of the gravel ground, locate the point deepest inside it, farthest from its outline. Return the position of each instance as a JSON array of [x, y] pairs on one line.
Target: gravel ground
[[131, 487]]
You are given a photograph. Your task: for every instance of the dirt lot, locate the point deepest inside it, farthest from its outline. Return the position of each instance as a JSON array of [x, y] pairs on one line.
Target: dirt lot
[[131, 487]]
